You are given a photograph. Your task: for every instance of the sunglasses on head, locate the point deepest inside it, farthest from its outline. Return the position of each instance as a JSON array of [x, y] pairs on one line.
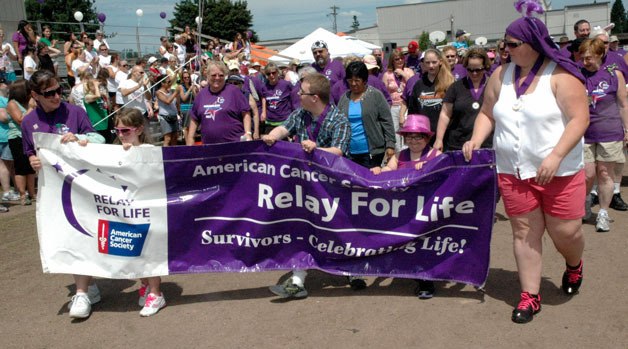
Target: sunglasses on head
[[123, 130], [52, 93]]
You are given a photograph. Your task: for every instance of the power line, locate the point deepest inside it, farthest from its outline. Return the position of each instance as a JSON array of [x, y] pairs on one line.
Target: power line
[[334, 14]]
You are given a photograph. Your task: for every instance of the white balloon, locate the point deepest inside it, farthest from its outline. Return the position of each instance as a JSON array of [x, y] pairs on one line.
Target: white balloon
[[198, 20], [139, 12], [78, 15]]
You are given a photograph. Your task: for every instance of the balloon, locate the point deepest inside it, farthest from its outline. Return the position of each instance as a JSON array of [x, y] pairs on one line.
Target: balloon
[[139, 12], [249, 34], [162, 15], [198, 20], [102, 17], [78, 15]]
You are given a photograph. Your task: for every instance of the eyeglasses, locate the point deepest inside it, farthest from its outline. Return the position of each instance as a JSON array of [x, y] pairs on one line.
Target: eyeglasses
[[303, 93], [451, 56], [605, 42], [354, 81], [125, 65], [123, 130], [476, 70], [52, 93], [273, 73], [416, 136], [513, 44]]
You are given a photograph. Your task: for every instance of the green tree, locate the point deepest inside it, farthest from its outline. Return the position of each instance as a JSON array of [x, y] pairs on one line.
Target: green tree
[[221, 18], [424, 41], [618, 16], [51, 11]]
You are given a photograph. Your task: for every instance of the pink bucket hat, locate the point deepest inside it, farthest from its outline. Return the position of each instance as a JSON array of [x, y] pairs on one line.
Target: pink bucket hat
[[416, 123]]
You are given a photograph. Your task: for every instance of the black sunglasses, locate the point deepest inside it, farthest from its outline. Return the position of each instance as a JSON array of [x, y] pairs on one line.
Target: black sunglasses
[[52, 93], [512, 44], [477, 70]]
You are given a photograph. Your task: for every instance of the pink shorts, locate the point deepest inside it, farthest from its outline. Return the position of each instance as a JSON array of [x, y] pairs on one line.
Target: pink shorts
[[562, 198]]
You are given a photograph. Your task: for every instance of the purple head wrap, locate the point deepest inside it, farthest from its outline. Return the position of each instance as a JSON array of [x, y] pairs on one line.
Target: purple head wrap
[[534, 32]]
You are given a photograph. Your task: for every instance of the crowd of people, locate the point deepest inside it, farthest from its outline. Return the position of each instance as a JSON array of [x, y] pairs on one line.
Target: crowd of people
[[557, 152]]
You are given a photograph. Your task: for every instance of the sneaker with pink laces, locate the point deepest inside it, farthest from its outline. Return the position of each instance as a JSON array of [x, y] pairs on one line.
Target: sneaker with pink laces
[[527, 307], [143, 291], [572, 279], [153, 304]]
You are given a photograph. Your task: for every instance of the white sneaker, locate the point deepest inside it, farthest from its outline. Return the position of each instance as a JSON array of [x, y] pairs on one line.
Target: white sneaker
[[143, 291], [80, 306], [153, 304], [10, 196], [602, 222]]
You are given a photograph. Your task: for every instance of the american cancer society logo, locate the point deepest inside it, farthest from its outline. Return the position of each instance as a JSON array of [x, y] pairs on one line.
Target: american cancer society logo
[[114, 237], [121, 239]]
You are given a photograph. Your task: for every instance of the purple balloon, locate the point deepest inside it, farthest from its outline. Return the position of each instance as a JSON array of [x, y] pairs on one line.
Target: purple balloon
[[102, 17], [162, 15], [249, 34]]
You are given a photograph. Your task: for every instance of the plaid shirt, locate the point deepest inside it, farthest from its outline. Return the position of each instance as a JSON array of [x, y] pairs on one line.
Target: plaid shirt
[[334, 132]]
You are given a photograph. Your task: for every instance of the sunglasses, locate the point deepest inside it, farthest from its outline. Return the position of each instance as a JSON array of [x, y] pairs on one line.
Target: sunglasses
[[123, 130], [477, 70], [513, 44], [453, 56], [52, 93], [416, 136]]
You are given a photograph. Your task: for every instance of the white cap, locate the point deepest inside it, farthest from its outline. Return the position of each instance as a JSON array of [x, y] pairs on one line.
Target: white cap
[[152, 60]]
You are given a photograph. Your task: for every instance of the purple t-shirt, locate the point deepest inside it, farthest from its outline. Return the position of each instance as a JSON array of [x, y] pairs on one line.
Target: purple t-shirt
[[619, 62], [22, 42], [605, 122], [341, 87], [75, 118], [295, 98], [414, 63], [459, 72], [334, 71], [220, 114], [407, 91], [278, 100]]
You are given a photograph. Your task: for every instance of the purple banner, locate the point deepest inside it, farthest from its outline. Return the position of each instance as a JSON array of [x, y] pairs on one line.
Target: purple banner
[[246, 207]]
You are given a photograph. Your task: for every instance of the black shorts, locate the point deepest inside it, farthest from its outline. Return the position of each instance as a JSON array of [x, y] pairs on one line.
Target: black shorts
[[20, 160]]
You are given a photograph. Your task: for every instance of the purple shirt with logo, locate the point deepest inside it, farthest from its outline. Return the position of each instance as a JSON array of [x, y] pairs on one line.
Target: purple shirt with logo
[[605, 122], [278, 100], [334, 71], [407, 91], [459, 71], [220, 114], [73, 117]]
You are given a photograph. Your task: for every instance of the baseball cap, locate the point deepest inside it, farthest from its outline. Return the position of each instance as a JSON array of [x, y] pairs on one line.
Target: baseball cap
[[319, 44], [613, 38], [461, 32], [413, 46], [152, 60], [370, 62]]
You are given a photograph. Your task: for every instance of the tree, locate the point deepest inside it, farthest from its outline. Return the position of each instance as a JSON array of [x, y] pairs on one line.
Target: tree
[[618, 16], [221, 18], [355, 25], [51, 11], [424, 41]]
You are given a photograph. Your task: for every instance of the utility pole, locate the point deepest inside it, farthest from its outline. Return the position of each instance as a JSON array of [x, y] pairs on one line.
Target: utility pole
[[334, 14]]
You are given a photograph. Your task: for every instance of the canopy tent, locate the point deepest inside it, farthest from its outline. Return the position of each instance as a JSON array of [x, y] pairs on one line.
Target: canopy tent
[[362, 43], [337, 46]]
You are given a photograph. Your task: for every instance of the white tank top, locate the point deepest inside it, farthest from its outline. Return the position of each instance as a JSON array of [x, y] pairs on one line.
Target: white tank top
[[524, 137]]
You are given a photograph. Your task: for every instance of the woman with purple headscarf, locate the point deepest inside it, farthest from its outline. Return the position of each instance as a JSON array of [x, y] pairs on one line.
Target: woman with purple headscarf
[[538, 107]]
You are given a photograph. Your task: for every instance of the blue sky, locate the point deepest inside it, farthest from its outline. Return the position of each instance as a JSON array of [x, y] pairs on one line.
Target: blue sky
[[272, 19]]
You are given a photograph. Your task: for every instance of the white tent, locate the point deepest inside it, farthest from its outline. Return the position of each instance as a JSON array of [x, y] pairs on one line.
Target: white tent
[[337, 46], [362, 43]]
